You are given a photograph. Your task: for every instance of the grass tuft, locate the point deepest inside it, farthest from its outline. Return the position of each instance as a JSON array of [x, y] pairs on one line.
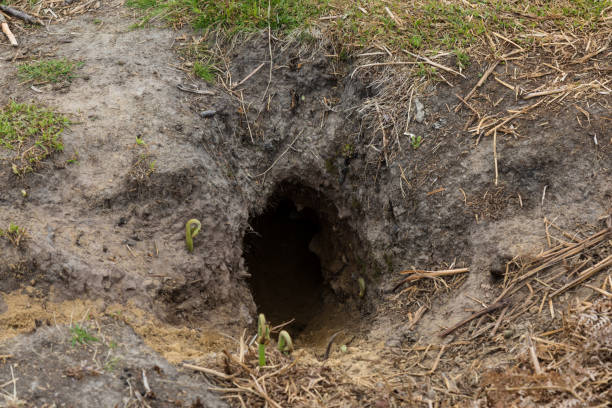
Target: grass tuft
[[31, 134], [81, 335], [54, 70], [232, 15], [204, 71]]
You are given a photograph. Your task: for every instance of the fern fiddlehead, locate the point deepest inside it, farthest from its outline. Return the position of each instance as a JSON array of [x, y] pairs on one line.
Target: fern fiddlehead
[[192, 228], [285, 344]]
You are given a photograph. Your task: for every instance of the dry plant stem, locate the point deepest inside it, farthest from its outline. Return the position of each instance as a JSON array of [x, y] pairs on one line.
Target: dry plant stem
[[263, 98], [595, 288], [280, 156], [482, 312], [246, 78], [420, 274], [431, 274], [417, 316], [499, 320], [515, 115], [193, 90], [486, 75], [246, 116], [556, 257], [590, 272], [435, 64], [534, 356], [468, 105], [545, 93], [495, 155], [379, 64]]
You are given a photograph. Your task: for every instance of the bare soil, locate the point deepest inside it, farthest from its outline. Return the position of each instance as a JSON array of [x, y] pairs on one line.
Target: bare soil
[[105, 237]]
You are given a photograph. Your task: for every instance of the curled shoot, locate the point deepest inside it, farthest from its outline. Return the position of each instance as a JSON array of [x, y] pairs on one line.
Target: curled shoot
[[361, 283], [285, 344], [192, 228], [263, 337]]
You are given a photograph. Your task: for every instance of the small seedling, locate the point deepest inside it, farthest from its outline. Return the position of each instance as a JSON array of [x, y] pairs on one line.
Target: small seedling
[[74, 159], [192, 228], [463, 60], [111, 364], [362, 287], [415, 141], [81, 335], [140, 142], [285, 344], [14, 233], [343, 348], [263, 338]]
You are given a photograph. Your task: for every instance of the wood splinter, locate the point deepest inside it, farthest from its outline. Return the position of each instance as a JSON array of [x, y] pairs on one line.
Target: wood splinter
[[7, 31]]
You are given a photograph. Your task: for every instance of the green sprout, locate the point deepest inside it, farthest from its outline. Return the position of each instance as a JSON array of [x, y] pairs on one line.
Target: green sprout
[[263, 337], [81, 335], [192, 228], [361, 283], [415, 141], [285, 344]]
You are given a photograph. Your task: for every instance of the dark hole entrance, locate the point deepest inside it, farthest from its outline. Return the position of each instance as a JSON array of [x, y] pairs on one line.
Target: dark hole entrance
[[286, 278]]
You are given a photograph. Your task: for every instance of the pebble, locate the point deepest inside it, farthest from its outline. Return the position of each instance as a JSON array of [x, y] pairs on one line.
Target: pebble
[[419, 116], [208, 113]]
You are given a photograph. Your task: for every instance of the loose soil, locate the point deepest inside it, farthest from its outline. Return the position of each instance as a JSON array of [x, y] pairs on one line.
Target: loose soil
[[297, 201]]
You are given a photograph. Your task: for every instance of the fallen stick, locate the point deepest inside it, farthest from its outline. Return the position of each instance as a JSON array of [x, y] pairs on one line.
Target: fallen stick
[[476, 315], [19, 14], [545, 93], [7, 31]]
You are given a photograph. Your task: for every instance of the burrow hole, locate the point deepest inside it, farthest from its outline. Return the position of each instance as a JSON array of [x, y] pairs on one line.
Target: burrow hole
[[302, 264]]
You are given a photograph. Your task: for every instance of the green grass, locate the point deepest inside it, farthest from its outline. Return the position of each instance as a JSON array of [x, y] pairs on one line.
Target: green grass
[[453, 24], [54, 70], [32, 133], [204, 72], [232, 15], [80, 335]]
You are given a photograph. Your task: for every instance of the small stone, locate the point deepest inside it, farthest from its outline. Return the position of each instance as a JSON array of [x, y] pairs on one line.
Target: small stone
[[439, 124], [208, 113], [419, 115]]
